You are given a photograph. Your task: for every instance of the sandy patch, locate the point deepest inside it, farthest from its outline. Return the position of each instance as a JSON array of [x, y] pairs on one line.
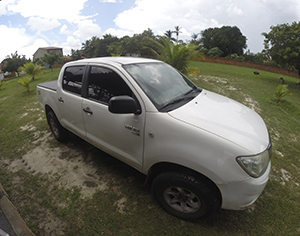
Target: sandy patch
[[23, 115], [279, 153], [121, 205], [51, 161], [208, 78], [4, 98], [250, 102], [286, 176], [28, 127]]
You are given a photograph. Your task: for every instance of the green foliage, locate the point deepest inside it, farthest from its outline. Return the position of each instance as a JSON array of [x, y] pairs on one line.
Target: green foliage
[[111, 45], [25, 82], [228, 39], [214, 52], [282, 45], [96, 47], [1, 84], [31, 69], [169, 35], [177, 55], [75, 55], [13, 62], [281, 92], [52, 58]]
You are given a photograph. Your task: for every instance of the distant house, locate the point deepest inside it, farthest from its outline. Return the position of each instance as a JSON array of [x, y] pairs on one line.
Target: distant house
[[42, 51]]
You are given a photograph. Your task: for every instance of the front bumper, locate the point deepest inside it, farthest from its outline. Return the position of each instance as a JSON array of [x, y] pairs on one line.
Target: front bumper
[[241, 194]]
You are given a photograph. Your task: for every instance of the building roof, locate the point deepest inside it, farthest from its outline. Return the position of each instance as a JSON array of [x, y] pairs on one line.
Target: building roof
[[50, 48]]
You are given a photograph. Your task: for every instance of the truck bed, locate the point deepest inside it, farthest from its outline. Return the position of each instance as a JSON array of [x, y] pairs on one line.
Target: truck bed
[[52, 85]]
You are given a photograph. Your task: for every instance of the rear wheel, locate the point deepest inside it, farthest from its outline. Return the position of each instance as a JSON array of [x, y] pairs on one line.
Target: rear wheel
[[59, 132], [185, 196]]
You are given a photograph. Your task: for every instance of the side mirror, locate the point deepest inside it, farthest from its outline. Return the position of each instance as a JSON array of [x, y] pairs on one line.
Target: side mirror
[[123, 105]]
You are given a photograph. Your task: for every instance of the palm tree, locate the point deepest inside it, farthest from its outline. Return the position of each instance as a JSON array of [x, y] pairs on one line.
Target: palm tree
[[31, 69], [168, 34], [177, 32], [194, 38], [176, 55], [25, 82]]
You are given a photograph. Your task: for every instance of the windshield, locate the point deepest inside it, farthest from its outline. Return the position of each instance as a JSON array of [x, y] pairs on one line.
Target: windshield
[[164, 85]]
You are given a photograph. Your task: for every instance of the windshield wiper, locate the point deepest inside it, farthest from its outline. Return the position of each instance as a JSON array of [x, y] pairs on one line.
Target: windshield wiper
[[193, 90], [188, 96], [173, 102]]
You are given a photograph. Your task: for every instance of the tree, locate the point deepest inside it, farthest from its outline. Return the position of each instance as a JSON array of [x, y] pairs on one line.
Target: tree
[[282, 45], [52, 58], [214, 52], [89, 47], [138, 44], [31, 69], [13, 62], [228, 39], [177, 55], [75, 55], [195, 39], [96, 47], [169, 34], [177, 32]]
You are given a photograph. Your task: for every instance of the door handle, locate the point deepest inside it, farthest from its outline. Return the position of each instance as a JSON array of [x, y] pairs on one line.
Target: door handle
[[88, 111], [61, 100]]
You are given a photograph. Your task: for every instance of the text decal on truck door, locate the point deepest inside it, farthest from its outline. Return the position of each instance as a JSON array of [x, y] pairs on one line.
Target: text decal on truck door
[[134, 130]]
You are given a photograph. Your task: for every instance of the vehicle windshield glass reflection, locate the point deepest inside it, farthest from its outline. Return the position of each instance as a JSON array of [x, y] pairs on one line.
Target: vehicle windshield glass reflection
[[165, 86]]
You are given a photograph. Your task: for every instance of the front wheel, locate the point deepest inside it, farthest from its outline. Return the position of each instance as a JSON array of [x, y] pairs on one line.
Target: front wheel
[[59, 132], [185, 196]]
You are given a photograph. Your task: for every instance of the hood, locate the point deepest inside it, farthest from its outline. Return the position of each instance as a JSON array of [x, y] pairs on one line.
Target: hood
[[227, 119]]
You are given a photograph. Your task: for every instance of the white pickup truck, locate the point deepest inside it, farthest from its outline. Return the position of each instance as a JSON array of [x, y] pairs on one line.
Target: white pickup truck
[[199, 150]]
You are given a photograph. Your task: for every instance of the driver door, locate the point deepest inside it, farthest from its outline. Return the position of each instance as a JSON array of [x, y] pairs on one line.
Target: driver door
[[121, 135]]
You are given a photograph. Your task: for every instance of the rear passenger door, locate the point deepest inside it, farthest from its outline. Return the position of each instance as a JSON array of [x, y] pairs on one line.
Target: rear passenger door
[[70, 99], [121, 135]]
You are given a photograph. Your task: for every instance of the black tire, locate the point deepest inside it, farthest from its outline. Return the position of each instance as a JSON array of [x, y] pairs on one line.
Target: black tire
[[59, 132], [185, 197]]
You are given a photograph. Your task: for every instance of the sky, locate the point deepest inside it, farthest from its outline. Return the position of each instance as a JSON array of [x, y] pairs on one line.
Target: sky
[[26, 25]]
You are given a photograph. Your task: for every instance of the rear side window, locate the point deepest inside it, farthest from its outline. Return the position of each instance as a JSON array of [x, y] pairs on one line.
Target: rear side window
[[72, 79], [104, 84]]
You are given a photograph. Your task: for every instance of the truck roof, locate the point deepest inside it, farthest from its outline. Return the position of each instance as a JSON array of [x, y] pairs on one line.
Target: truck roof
[[116, 60]]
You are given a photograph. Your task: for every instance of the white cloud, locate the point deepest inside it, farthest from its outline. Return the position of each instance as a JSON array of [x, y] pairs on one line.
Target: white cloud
[[251, 16], [64, 29], [71, 43], [4, 5], [109, 1], [18, 40], [118, 33], [54, 9], [66, 24], [42, 24], [87, 29]]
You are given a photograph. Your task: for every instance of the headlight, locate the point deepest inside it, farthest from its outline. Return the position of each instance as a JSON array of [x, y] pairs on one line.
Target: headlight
[[256, 165]]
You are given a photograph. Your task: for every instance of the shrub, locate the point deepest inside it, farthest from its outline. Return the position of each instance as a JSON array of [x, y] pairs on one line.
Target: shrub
[[281, 91], [25, 82]]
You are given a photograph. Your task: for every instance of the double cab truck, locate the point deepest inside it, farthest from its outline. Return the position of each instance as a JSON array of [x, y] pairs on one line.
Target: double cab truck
[[200, 151]]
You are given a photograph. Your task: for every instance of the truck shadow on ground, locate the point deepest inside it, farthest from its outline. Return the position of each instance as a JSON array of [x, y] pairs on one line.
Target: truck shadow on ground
[[112, 169]]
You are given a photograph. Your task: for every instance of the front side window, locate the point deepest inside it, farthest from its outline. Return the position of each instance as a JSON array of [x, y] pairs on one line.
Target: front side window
[[104, 83], [72, 79]]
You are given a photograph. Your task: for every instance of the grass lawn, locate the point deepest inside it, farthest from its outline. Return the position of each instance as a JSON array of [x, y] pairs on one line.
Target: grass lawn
[[86, 192]]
